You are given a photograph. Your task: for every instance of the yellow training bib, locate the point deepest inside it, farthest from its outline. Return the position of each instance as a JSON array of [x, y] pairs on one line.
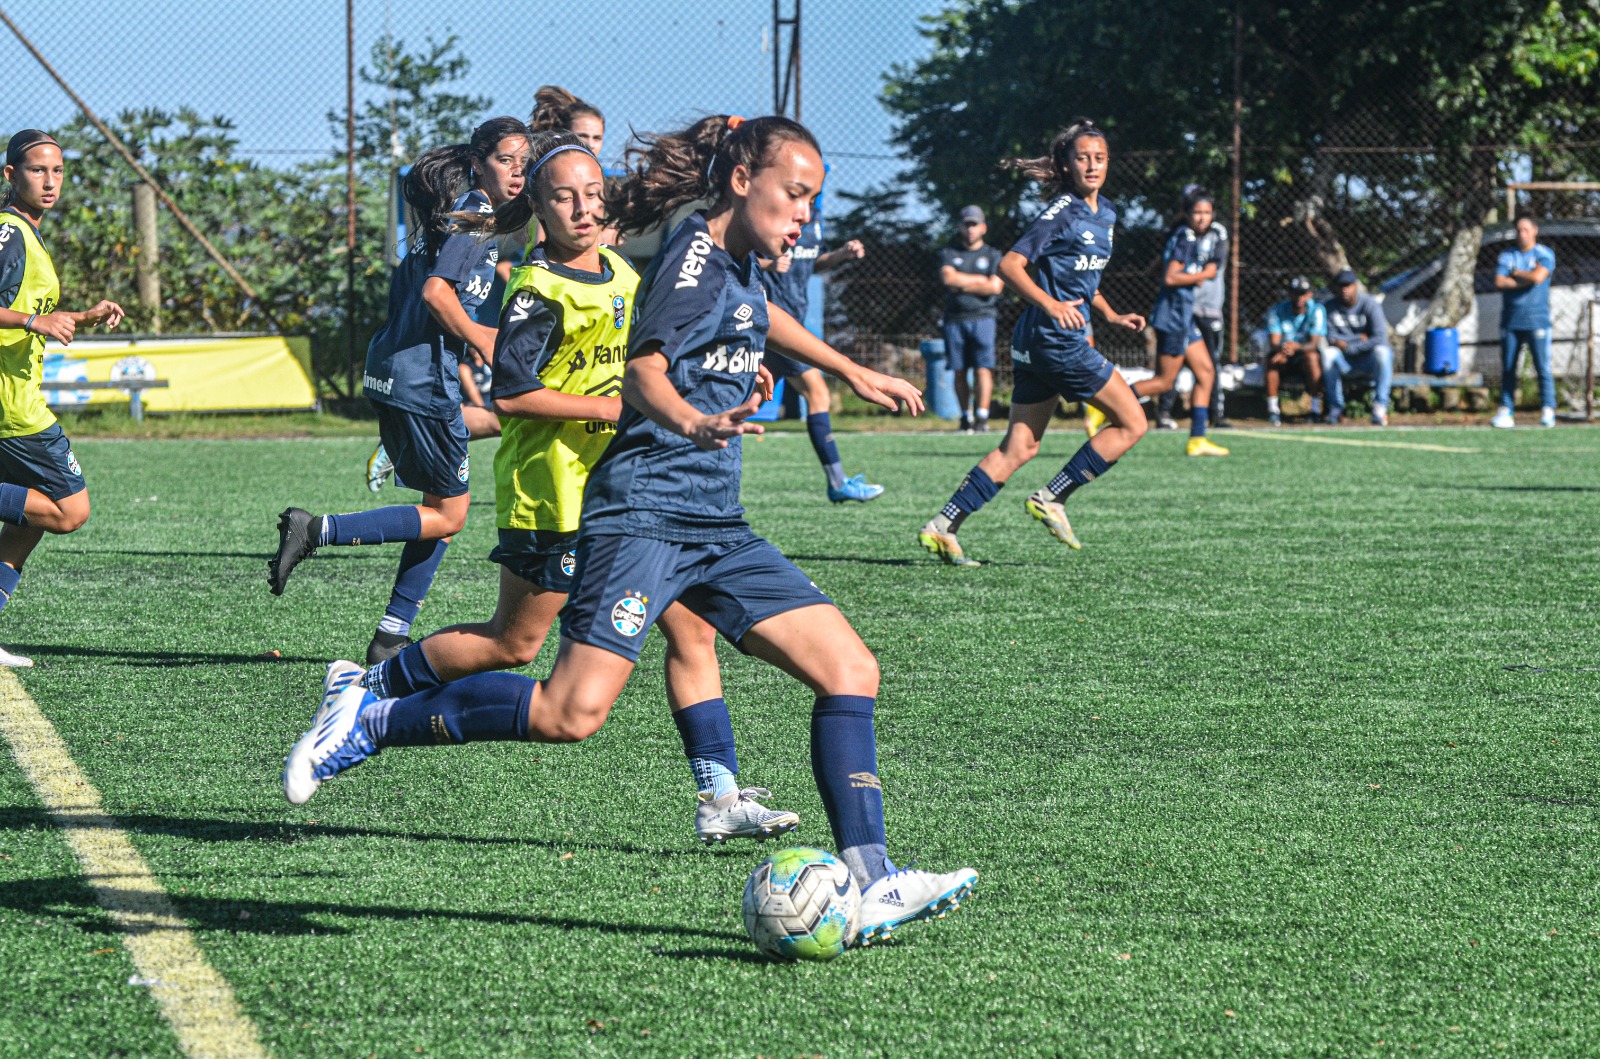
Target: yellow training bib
[[22, 405]]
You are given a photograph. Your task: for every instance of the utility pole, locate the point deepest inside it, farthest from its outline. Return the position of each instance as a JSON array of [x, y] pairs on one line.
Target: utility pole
[[785, 62], [1238, 161], [147, 262], [350, 194]]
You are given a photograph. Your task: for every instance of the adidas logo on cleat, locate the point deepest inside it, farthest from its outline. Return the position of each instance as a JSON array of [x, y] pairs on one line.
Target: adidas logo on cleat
[[893, 898]]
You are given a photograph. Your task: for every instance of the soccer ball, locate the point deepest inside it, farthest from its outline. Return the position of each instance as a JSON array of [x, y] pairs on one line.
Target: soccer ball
[[802, 904]]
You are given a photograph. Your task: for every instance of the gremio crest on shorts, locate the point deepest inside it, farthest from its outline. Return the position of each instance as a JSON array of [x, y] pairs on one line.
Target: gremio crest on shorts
[[461, 472], [72, 463], [569, 564], [628, 616]]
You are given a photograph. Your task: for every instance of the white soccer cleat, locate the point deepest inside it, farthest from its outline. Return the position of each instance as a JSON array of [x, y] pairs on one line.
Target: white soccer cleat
[[379, 468], [1503, 419], [335, 743], [341, 674], [11, 661], [741, 815], [908, 895], [1547, 416]]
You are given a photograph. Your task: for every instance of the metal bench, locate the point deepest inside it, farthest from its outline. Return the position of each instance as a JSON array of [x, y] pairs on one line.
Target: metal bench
[[134, 388]]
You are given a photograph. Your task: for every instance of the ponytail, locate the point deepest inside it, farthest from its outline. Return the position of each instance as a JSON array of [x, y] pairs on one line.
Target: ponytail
[[669, 171], [444, 174], [513, 216], [1050, 171], [554, 108]]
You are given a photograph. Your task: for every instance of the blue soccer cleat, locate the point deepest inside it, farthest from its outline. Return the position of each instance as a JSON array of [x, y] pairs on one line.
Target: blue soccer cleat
[[857, 488], [379, 468], [908, 895], [336, 742]]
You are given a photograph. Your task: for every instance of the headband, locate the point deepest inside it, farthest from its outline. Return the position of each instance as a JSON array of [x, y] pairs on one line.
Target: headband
[[25, 141], [552, 153], [734, 121]]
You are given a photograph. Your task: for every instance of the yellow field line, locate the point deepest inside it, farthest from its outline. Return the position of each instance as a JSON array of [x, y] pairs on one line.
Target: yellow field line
[[1318, 439], [196, 1000]]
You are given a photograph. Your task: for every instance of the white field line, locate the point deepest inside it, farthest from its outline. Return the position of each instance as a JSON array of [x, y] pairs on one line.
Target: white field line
[[1318, 439]]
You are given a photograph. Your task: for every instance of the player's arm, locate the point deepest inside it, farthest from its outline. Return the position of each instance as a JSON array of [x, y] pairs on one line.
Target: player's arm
[[789, 336], [439, 295], [968, 283], [1014, 271], [645, 386], [851, 251], [548, 404], [1505, 275], [525, 343], [1132, 321], [1176, 276]]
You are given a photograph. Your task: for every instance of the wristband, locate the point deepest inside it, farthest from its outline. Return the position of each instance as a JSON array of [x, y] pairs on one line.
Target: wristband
[[28, 327]]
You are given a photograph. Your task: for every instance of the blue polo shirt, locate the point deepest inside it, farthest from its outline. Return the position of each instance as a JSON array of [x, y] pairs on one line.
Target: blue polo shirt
[[1526, 308], [707, 314], [1283, 319]]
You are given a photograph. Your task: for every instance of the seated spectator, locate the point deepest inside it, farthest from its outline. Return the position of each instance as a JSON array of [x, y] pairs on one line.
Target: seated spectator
[[1296, 328], [971, 303], [1358, 341]]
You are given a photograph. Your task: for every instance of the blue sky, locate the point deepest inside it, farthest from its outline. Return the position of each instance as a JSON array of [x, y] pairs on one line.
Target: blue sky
[[276, 69]]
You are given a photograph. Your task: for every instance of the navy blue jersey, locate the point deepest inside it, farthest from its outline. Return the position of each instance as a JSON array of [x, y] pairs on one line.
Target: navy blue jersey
[[790, 291], [959, 307], [1174, 307], [707, 314], [411, 363], [13, 259], [1069, 246]]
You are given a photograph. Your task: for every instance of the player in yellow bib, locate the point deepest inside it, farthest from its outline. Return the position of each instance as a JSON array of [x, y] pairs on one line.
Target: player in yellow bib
[[41, 485], [559, 357]]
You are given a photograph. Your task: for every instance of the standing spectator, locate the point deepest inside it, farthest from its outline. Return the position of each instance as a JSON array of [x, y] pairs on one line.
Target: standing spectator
[[1358, 340], [1296, 328], [1209, 298], [971, 299], [1523, 274]]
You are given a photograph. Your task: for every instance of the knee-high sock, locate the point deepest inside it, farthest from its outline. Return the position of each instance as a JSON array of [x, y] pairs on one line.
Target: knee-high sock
[[419, 561], [1198, 420], [976, 490], [9, 576], [1085, 466], [13, 498], [405, 674], [707, 733], [378, 526], [844, 760], [820, 426], [487, 707]]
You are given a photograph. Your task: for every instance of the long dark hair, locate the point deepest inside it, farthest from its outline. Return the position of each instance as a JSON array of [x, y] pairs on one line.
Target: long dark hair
[[1193, 195], [555, 107], [671, 170], [513, 216], [444, 174], [1051, 171]]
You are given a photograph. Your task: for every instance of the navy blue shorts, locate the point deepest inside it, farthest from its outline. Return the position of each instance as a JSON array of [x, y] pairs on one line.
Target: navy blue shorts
[[546, 558], [430, 455], [1177, 343], [625, 583], [783, 367], [969, 343], [42, 461], [1076, 374]]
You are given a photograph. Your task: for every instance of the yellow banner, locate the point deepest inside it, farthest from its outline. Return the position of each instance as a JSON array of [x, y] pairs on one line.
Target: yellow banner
[[202, 374]]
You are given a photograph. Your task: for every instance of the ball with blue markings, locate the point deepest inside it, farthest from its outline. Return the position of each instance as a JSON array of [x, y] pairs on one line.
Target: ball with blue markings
[[802, 904]]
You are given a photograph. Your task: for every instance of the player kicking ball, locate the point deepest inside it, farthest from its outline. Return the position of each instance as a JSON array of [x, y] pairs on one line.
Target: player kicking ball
[[662, 521]]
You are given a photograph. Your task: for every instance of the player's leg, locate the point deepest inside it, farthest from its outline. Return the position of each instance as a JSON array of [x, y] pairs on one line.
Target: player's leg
[[1311, 364], [1380, 362], [1198, 358], [1273, 372], [41, 491], [1031, 407], [481, 422], [1125, 424], [955, 353], [1539, 351], [813, 385], [979, 339], [1337, 367], [723, 809], [1510, 351], [1169, 359], [1211, 331]]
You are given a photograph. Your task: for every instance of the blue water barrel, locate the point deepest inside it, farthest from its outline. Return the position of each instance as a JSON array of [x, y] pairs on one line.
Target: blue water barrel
[[771, 410], [1441, 351], [940, 392]]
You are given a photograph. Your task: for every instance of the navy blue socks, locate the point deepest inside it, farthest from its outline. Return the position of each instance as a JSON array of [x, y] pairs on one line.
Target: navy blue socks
[[12, 500], [9, 576], [487, 707], [707, 733], [378, 526], [977, 489], [844, 760], [1085, 466], [419, 561], [405, 674], [1198, 419], [820, 426]]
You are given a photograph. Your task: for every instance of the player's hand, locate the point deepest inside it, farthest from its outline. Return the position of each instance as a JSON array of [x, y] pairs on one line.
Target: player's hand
[[1132, 321], [712, 432], [765, 384], [784, 263], [480, 346], [108, 312], [1066, 314], [885, 391], [853, 250], [59, 326]]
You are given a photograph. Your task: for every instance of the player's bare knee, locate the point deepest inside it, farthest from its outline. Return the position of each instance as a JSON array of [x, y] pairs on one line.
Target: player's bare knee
[[854, 672]]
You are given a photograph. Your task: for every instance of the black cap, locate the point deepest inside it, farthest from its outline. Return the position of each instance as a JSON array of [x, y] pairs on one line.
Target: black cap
[[25, 141], [971, 213], [1345, 278], [1299, 285]]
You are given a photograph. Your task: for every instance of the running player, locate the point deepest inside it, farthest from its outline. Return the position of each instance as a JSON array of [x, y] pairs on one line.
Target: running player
[[1188, 261], [560, 349], [41, 485], [1067, 247], [787, 280], [662, 520], [412, 375]]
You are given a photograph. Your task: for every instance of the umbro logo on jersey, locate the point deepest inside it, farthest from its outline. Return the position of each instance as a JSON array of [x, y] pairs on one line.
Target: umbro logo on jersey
[[694, 261], [743, 314], [866, 780], [1087, 237]]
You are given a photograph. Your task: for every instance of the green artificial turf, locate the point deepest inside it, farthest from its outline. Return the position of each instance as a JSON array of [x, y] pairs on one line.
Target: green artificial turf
[[1296, 757]]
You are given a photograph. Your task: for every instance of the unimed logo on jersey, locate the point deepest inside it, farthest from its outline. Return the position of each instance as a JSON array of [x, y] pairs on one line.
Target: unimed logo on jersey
[[694, 261]]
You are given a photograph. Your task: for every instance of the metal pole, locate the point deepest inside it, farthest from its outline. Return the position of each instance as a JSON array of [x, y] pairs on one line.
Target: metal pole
[[147, 263], [1238, 151], [350, 193], [777, 37], [796, 60], [144, 175], [1588, 371]]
